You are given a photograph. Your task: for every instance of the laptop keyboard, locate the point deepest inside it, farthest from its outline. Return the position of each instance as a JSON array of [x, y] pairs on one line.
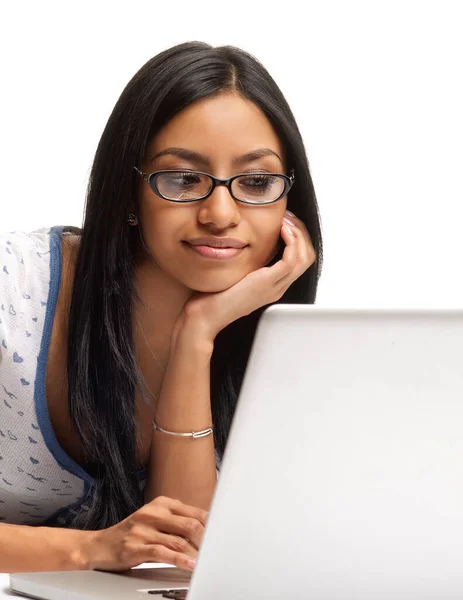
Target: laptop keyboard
[[179, 594]]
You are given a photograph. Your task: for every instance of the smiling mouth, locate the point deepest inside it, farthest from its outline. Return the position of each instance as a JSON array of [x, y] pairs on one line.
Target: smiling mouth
[[213, 252]]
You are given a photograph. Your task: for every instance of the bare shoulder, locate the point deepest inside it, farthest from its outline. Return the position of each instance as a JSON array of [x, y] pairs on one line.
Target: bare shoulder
[[70, 253], [71, 244], [56, 380]]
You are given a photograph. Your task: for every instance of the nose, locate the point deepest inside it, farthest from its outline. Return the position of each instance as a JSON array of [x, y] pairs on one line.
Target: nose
[[220, 210]]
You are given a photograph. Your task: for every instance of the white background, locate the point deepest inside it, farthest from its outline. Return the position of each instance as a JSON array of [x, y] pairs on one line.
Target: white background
[[376, 88]]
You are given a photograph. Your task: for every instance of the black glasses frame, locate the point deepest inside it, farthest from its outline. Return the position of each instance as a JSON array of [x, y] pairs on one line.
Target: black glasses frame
[[151, 179]]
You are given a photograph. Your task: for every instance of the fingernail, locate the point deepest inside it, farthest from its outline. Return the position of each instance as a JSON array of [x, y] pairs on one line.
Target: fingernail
[[191, 563], [290, 213], [289, 230], [286, 220]]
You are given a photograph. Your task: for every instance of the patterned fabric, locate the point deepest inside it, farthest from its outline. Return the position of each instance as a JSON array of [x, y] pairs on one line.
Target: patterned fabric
[[39, 483]]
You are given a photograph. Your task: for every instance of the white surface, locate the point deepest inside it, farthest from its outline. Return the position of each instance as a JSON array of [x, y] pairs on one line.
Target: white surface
[[5, 581], [4, 586], [341, 474], [375, 86]]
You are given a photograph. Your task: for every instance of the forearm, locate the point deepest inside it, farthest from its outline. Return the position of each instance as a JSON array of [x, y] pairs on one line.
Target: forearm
[[184, 468], [27, 548]]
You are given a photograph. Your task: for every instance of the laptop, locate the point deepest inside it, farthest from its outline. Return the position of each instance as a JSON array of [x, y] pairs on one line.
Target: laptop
[[343, 474]]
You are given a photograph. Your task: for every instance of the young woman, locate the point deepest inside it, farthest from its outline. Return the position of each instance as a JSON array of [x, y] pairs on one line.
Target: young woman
[[121, 340]]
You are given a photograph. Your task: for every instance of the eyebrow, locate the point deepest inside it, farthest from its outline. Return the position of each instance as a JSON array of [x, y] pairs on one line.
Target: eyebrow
[[206, 162]]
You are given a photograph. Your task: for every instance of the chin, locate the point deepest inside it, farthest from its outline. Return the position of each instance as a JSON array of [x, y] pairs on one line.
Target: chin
[[212, 284]]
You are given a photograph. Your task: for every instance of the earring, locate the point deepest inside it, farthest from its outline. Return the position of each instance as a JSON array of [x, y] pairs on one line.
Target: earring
[[132, 219]]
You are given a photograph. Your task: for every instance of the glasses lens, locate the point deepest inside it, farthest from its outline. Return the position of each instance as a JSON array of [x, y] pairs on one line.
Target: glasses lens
[[183, 185], [258, 188]]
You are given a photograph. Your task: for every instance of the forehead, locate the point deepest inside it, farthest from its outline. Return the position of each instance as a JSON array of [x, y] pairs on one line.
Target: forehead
[[221, 127]]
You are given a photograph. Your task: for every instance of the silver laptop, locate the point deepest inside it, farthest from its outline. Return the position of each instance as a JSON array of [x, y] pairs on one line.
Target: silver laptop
[[343, 475]]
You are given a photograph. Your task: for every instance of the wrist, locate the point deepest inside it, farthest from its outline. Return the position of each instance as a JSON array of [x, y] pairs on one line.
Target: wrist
[[69, 547], [192, 335], [82, 553]]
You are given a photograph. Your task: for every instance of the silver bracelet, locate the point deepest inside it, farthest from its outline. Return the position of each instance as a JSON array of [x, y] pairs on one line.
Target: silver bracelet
[[193, 434]]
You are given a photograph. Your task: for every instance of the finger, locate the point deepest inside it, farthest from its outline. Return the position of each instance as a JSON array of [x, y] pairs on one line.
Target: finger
[[300, 225], [288, 261], [176, 544], [184, 527], [182, 510], [292, 217], [297, 258], [303, 250], [152, 531], [306, 251], [192, 512], [305, 259], [159, 553]]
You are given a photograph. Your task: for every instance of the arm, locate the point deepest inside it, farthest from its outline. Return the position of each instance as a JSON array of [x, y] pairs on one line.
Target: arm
[[184, 468], [164, 530], [27, 548]]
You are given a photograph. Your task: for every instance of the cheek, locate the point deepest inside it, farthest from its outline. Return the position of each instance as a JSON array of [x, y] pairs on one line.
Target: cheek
[[157, 237], [160, 241], [266, 243], [266, 226]]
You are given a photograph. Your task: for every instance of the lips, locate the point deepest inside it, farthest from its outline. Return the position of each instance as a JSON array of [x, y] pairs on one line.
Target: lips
[[220, 248], [217, 242]]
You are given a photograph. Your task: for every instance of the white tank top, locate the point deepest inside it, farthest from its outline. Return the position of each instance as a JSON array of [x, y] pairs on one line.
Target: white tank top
[[39, 483]]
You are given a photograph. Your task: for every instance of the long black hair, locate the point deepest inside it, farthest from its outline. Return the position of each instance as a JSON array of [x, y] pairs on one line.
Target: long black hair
[[101, 367]]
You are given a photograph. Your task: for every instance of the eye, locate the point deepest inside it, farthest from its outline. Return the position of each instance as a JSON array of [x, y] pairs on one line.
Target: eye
[[257, 183], [183, 185], [258, 187], [185, 179]]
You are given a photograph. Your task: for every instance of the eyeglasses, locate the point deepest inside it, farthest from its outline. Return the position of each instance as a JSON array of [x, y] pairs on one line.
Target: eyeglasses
[[191, 186]]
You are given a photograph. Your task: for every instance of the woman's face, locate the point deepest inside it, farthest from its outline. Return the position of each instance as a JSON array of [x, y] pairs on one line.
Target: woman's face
[[220, 131]]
